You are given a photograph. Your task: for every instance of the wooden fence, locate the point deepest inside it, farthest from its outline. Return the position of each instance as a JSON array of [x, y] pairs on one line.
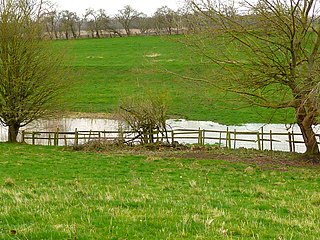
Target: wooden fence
[[231, 139]]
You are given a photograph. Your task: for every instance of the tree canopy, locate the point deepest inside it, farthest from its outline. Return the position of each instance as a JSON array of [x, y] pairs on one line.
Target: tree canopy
[[275, 59], [30, 69]]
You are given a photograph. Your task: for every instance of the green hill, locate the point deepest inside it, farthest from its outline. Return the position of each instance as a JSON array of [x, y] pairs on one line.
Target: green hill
[[107, 70]]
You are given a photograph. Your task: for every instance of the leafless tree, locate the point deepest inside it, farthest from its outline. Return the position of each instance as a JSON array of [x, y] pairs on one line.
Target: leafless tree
[[165, 19], [144, 24], [114, 27], [278, 43], [127, 16], [99, 23], [145, 114], [69, 22], [96, 21], [29, 68], [51, 22]]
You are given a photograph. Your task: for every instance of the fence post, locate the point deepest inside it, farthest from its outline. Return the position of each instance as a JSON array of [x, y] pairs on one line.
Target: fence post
[[293, 143], [90, 135], [271, 147], [258, 140], [227, 134], [33, 138], [234, 138], [56, 138], [172, 136], [290, 141], [262, 139], [220, 136], [76, 137], [203, 136], [49, 139], [200, 137]]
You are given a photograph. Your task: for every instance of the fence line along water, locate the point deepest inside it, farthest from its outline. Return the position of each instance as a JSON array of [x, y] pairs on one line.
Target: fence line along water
[[261, 140]]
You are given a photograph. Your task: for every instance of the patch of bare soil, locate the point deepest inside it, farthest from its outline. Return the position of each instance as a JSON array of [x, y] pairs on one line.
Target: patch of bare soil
[[264, 159]]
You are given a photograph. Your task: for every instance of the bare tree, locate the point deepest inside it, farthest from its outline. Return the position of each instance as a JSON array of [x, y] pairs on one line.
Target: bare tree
[[114, 27], [69, 23], [165, 19], [144, 24], [79, 23], [29, 69], [50, 19], [145, 115], [51, 23], [278, 41], [127, 16], [92, 19]]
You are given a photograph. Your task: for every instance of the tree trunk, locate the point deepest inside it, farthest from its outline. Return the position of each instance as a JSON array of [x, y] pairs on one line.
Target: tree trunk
[[97, 33], [73, 33], [118, 33], [56, 34], [13, 133], [127, 29], [305, 121], [309, 139]]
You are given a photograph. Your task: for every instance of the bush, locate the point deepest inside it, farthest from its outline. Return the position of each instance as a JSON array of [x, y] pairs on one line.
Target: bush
[[146, 116]]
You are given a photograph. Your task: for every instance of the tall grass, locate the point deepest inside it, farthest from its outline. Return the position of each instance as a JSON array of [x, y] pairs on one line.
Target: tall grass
[[107, 70], [48, 193]]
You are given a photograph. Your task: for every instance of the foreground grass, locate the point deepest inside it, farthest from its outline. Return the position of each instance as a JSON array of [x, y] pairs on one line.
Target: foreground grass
[[107, 70], [48, 193]]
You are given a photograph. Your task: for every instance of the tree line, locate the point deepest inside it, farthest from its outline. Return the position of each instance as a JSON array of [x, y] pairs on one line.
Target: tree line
[[94, 23]]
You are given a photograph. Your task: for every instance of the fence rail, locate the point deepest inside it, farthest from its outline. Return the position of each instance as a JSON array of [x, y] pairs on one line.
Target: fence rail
[[260, 140]]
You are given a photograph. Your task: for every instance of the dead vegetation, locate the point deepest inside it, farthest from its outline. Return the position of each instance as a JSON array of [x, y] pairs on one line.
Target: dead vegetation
[[266, 159]]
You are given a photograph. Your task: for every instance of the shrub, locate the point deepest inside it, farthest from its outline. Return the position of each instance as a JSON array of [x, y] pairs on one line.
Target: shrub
[[145, 115]]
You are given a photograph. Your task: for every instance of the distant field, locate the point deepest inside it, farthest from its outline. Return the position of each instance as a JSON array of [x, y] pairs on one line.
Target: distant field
[[107, 70], [47, 193]]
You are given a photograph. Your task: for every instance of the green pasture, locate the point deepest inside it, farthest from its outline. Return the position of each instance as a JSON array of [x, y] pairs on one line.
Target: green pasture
[[51, 193], [106, 70]]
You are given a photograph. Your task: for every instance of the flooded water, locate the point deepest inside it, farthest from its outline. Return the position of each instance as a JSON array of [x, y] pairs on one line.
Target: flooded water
[[280, 143], [86, 124]]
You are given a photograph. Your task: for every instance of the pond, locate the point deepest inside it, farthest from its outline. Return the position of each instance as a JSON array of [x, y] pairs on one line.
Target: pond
[[86, 124]]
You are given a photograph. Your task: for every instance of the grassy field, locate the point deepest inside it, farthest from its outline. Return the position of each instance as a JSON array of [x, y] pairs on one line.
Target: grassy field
[[51, 193], [107, 70]]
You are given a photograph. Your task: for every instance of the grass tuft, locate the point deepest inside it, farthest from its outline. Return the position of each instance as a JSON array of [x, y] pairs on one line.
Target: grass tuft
[[9, 182]]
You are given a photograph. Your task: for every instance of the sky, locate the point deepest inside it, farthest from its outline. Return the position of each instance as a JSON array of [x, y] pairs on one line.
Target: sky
[[112, 6]]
